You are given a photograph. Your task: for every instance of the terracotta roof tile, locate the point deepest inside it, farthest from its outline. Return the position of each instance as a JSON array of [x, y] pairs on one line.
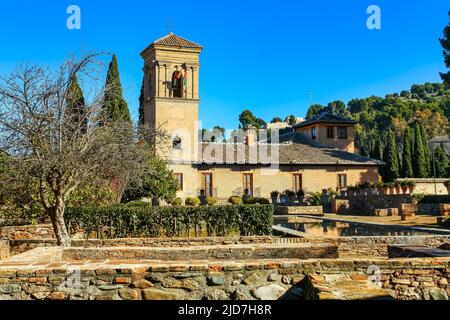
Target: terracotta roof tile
[[325, 117], [173, 40], [292, 149]]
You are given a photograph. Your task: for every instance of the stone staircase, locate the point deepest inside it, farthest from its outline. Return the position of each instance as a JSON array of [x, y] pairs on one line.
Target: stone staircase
[[342, 287]]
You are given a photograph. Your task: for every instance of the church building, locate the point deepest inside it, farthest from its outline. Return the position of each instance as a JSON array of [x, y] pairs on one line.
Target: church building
[[313, 155]]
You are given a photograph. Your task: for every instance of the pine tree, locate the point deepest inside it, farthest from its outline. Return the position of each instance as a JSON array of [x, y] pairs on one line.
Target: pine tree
[[426, 149], [420, 166], [407, 165], [392, 170], [441, 161], [113, 103], [75, 106]]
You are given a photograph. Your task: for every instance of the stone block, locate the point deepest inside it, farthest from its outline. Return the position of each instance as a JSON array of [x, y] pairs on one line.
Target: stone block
[[380, 212], [159, 294], [444, 209], [269, 292], [408, 208]]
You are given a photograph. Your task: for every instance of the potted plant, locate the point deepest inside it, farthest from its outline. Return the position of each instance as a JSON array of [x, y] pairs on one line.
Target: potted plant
[[291, 195], [411, 186], [300, 195], [274, 195], [388, 187], [397, 187], [404, 186], [447, 185]]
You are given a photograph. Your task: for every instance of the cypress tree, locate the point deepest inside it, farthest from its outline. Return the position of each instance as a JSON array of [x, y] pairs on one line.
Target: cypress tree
[[376, 151], [75, 106], [426, 149], [392, 169], [114, 104], [407, 165], [141, 104], [420, 166], [441, 161], [445, 42]]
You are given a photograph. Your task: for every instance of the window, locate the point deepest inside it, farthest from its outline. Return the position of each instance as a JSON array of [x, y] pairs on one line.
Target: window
[[330, 132], [179, 177], [207, 184], [342, 132], [177, 84], [342, 181], [297, 182], [176, 143], [247, 184], [313, 133]]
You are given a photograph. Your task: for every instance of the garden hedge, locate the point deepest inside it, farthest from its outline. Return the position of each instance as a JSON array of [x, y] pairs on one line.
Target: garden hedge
[[146, 221], [435, 199]]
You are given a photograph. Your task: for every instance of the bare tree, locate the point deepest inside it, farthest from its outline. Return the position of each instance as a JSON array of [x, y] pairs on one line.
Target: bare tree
[[62, 150]]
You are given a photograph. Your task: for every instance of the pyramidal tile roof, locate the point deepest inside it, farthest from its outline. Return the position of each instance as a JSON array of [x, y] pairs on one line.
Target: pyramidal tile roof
[[173, 40], [325, 117]]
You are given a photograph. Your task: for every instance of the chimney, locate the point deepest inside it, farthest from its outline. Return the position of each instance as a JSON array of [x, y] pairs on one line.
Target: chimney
[[250, 138]]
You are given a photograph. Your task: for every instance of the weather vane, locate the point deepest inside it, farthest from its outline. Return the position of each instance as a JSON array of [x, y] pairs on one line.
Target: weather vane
[[170, 26]]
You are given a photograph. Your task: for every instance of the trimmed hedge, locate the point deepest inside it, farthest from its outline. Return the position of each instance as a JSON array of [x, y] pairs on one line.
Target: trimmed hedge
[[139, 221], [435, 199]]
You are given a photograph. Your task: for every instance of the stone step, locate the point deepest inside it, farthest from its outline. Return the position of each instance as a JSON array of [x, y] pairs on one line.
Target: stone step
[[342, 287], [219, 252], [402, 251]]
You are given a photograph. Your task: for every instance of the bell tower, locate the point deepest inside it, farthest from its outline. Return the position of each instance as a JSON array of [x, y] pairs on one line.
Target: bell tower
[[171, 94]]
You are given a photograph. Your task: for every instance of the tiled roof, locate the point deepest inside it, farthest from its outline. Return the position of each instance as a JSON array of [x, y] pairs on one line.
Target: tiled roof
[[325, 117], [293, 149], [173, 40]]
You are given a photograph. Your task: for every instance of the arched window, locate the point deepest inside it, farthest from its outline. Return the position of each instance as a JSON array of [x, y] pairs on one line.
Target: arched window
[[177, 84], [176, 143]]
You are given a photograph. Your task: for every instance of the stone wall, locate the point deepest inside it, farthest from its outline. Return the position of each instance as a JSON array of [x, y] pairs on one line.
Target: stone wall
[[429, 208], [236, 280], [376, 246], [22, 245], [298, 209], [366, 204], [39, 231], [212, 253], [4, 249]]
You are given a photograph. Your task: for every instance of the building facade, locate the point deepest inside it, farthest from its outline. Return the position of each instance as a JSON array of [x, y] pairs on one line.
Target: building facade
[[314, 155]]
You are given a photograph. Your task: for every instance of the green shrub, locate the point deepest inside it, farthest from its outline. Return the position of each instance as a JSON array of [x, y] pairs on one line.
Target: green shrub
[[433, 198], [176, 202], [137, 203], [262, 201], [235, 200], [192, 202], [250, 200], [447, 183], [211, 201], [138, 221]]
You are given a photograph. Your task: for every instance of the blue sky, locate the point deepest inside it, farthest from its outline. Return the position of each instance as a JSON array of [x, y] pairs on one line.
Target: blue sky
[[264, 55]]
